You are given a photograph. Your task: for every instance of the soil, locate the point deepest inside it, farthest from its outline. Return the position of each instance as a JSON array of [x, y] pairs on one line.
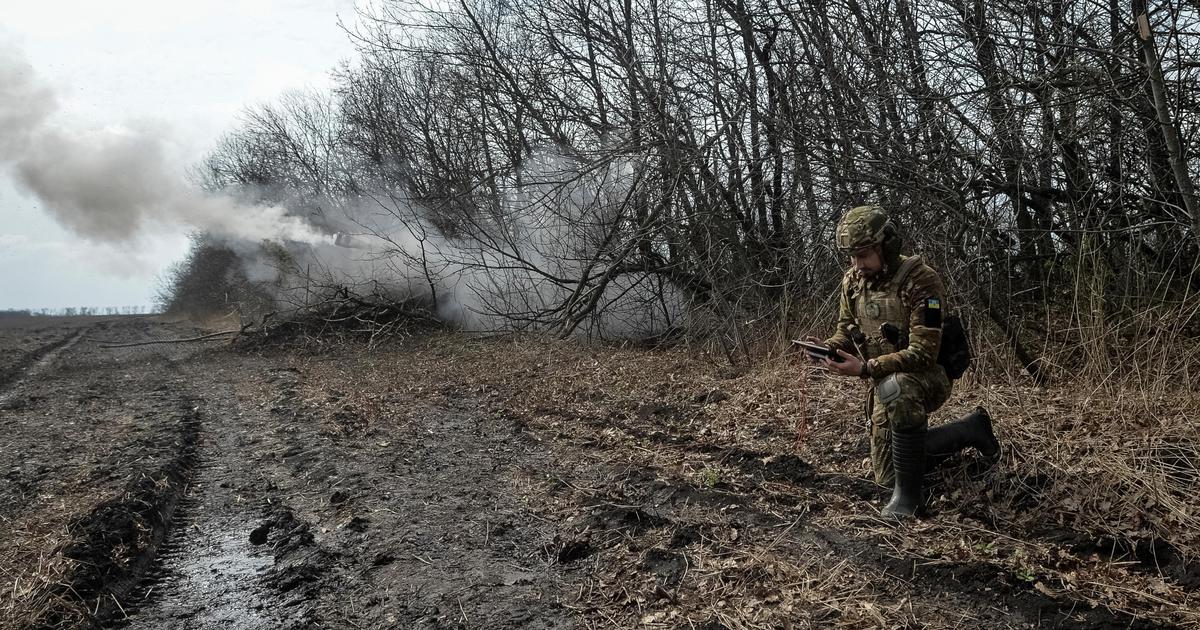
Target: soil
[[443, 481]]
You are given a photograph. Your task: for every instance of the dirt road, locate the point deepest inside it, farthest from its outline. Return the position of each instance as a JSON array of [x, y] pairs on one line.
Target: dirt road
[[447, 482]]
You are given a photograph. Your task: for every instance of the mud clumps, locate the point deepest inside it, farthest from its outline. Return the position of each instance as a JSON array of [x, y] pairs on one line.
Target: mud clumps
[[621, 517], [986, 580], [712, 396], [685, 536], [299, 563], [657, 412], [603, 527], [1149, 556], [572, 550], [339, 497], [347, 421], [258, 535], [787, 468], [667, 566], [109, 541], [287, 532], [357, 524]]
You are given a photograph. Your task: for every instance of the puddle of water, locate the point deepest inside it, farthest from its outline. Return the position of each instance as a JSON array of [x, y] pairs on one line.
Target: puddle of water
[[209, 582]]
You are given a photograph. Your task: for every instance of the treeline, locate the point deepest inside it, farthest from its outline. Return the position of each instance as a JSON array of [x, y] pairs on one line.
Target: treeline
[[1040, 153], [209, 281], [71, 311]]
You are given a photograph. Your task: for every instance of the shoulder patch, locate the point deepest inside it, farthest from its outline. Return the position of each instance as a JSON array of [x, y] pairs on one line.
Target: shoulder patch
[[933, 312]]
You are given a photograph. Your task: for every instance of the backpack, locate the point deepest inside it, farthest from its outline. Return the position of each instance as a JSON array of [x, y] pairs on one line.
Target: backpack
[[955, 351], [954, 354]]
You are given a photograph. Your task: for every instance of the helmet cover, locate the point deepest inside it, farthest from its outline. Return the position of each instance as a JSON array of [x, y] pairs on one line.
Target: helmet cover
[[862, 226]]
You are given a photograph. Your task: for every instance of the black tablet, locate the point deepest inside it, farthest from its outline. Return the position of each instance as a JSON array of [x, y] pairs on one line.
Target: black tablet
[[818, 351]]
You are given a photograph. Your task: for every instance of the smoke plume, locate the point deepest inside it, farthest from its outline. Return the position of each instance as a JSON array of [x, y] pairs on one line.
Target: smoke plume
[[115, 183], [533, 263], [544, 257]]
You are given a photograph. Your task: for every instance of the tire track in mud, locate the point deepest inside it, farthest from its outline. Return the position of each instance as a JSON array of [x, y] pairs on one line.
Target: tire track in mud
[[33, 363], [114, 545], [205, 571], [165, 550], [209, 573], [248, 549], [402, 518], [117, 542]]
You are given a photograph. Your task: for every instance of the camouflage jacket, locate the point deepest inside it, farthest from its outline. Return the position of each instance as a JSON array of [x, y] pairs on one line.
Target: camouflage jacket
[[914, 305]]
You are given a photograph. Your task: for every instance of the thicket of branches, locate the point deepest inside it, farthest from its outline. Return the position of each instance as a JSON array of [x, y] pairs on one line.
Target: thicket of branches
[[1040, 153], [210, 281]]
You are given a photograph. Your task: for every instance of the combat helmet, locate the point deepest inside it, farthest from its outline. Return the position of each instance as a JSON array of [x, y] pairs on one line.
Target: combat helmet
[[864, 226]]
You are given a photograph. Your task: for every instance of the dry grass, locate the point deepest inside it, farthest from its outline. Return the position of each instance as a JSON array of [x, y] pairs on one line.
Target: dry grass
[[1084, 461], [32, 566], [1113, 446], [1120, 466]]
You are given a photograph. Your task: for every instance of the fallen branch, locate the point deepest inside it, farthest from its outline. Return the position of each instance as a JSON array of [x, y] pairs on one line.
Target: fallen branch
[[110, 344]]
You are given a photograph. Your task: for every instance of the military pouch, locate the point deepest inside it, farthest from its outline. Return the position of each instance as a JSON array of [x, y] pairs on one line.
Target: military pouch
[[895, 336], [888, 389]]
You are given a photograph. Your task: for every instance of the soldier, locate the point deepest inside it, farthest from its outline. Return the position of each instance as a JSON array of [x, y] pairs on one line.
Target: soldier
[[907, 383]]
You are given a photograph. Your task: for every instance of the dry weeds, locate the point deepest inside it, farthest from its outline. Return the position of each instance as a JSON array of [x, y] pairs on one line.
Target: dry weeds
[[1096, 464]]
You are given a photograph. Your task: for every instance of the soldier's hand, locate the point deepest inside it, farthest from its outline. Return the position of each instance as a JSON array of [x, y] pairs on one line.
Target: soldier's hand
[[850, 365]]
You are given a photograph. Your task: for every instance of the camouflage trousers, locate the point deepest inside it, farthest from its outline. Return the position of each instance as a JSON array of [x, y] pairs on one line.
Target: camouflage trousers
[[921, 393]]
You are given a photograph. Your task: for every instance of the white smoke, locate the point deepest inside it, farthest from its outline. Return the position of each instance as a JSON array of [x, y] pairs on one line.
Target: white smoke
[[113, 184], [513, 269]]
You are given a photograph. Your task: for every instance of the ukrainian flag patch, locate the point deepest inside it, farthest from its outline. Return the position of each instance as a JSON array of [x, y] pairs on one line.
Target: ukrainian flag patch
[[933, 312]]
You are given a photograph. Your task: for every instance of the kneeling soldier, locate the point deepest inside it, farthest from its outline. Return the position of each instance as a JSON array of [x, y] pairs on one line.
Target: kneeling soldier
[[883, 291]]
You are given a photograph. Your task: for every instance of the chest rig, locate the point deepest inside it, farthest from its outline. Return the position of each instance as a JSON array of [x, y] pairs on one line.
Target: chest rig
[[879, 303]]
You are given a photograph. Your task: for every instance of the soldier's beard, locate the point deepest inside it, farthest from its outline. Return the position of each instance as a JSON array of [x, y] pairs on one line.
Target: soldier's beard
[[870, 272]]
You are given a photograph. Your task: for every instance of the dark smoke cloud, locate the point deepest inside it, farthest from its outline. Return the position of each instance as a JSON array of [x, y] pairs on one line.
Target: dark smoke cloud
[[113, 184]]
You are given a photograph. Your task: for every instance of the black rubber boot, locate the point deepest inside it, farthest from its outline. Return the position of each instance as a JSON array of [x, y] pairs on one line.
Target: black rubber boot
[[973, 430], [908, 462]]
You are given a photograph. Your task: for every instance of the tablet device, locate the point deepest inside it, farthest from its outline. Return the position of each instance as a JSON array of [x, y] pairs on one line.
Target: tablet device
[[818, 351]]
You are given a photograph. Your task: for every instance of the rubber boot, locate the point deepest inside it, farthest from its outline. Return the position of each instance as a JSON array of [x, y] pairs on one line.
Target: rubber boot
[[973, 430], [908, 462]]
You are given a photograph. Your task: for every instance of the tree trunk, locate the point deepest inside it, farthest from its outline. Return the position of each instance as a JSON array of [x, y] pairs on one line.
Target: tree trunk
[[1170, 134]]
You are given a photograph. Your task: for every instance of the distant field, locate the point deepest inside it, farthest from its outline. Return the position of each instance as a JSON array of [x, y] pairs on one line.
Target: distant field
[[40, 322]]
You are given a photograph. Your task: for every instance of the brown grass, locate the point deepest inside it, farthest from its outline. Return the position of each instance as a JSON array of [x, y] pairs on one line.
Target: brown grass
[[32, 565], [1100, 462]]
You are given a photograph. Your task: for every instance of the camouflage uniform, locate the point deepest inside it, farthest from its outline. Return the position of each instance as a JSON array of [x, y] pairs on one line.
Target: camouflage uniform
[[915, 305], [907, 382]]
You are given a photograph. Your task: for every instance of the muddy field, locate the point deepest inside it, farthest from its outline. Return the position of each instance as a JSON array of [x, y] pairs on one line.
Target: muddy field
[[441, 481]]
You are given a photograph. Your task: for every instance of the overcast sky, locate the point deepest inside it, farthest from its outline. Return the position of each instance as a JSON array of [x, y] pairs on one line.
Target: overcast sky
[[189, 67]]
